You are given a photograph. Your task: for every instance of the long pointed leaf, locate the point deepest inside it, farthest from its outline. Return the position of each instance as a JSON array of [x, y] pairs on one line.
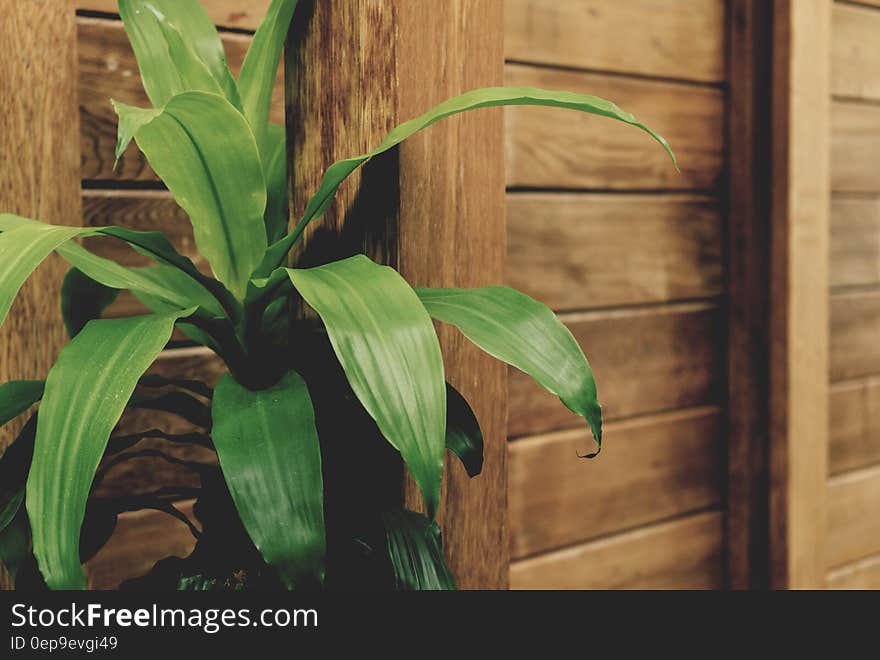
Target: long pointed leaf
[[389, 350], [269, 453], [464, 438], [415, 551], [17, 396], [526, 334], [472, 100], [275, 168], [82, 300], [86, 391]]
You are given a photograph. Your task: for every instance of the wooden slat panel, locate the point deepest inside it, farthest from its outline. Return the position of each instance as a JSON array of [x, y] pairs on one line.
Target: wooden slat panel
[[863, 574], [853, 523], [238, 14], [547, 148], [855, 240], [855, 425], [855, 327], [577, 251], [651, 468], [682, 554], [140, 540], [107, 68], [679, 40], [645, 360], [855, 57], [855, 147]]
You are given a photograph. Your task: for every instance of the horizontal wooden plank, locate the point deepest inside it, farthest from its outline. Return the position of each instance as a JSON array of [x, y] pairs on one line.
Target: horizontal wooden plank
[[108, 70], [855, 58], [645, 360], [680, 40], [238, 14], [853, 523], [552, 148], [855, 425], [855, 147], [651, 468], [140, 540], [855, 240], [681, 554], [855, 327], [863, 574], [579, 251]]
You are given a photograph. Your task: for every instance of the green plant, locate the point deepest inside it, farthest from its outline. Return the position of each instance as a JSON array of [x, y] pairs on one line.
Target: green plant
[[262, 511]]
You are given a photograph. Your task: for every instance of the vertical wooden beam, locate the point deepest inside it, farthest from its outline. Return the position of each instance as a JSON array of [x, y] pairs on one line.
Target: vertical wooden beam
[[799, 292], [39, 167], [749, 61], [435, 209]]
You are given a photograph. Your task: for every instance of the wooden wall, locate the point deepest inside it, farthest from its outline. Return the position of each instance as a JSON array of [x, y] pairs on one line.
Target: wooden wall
[[630, 253], [853, 498]]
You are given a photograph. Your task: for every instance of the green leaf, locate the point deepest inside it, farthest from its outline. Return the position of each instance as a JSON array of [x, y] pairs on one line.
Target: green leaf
[[86, 391], [83, 299], [389, 350], [177, 49], [464, 438], [275, 168], [416, 553], [257, 77], [270, 457], [526, 334], [204, 151], [14, 466], [15, 543], [17, 396], [472, 100]]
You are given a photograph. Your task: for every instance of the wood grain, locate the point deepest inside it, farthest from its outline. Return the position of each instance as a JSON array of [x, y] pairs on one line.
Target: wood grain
[[651, 468], [645, 360], [579, 251], [673, 40], [862, 574], [238, 14], [853, 524], [552, 148], [855, 58], [855, 425], [681, 554], [107, 69], [39, 176], [855, 147], [855, 321], [855, 240]]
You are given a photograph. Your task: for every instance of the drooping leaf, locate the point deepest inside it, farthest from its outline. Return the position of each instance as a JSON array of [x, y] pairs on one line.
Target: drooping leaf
[[204, 151], [275, 167], [83, 299], [16, 396], [389, 351], [177, 49], [15, 543], [14, 466], [416, 553], [526, 334], [464, 438], [86, 391], [257, 77], [472, 100], [269, 453]]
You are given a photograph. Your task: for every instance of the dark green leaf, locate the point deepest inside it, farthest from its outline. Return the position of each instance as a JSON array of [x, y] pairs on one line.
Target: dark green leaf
[[386, 343], [415, 551], [17, 396], [14, 466], [269, 453], [83, 299], [464, 438], [275, 167], [178, 403], [15, 543]]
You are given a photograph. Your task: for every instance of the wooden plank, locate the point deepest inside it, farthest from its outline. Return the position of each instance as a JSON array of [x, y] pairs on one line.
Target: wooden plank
[[645, 360], [547, 148], [749, 121], [855, 322], [140, 540], [107, 69], [681, 554], [855, 240], [855, 425], [863, 574], [651, 468], [679, 40], [237, 14], [799, 279], [402, 58], [855, 147], [39, 176], [853, 524], [578, 251], [855, 58]]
